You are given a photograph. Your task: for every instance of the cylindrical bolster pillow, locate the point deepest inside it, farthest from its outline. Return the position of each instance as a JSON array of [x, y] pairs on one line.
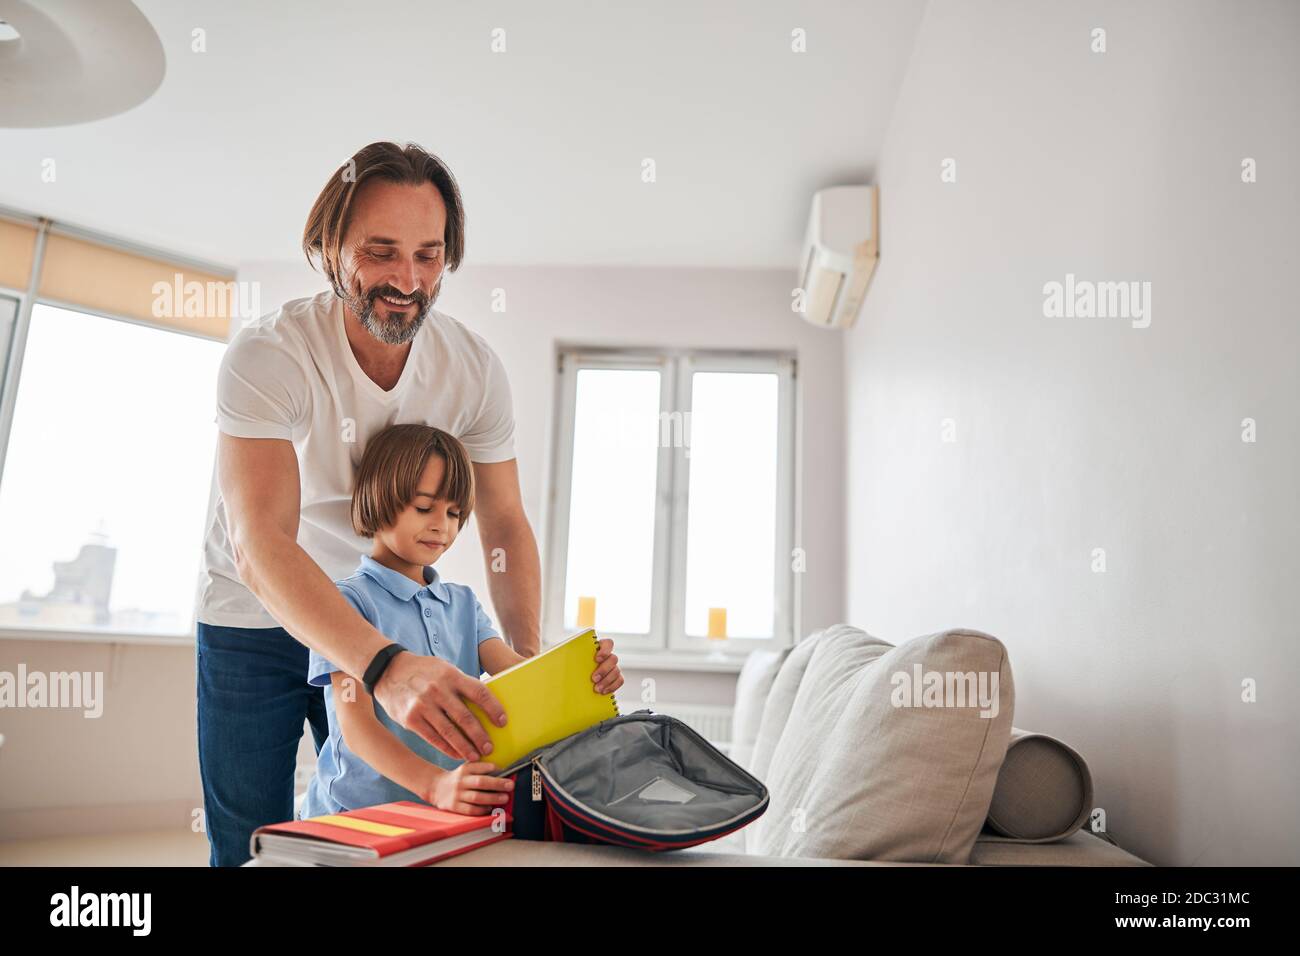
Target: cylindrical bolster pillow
[[1043, 792]]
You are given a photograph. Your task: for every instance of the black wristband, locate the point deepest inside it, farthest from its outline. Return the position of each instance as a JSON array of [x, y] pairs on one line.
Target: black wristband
[[379, 664]]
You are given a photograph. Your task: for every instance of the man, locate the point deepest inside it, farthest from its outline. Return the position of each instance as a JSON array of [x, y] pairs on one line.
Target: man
[[299, 394]]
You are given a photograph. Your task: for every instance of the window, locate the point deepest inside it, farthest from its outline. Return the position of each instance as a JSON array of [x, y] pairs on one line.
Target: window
[[108, 363], [674, 500], [106, 476]]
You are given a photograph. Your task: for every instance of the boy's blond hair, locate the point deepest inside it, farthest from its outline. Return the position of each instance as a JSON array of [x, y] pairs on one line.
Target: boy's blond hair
[[390, 470]]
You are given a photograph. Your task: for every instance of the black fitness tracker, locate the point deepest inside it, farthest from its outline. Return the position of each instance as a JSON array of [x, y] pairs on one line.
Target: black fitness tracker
[[379, 664]]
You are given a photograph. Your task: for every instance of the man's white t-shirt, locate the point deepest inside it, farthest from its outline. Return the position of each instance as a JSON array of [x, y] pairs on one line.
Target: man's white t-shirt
[[292, 375]]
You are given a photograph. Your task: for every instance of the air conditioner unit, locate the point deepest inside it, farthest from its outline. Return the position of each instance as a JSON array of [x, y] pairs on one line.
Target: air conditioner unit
[[839, 254]]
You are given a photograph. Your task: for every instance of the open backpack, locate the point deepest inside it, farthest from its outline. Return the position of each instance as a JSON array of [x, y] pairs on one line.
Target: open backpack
[[641, 780]]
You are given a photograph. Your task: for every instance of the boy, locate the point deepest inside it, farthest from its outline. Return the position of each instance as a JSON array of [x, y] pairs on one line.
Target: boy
[[414, 492]]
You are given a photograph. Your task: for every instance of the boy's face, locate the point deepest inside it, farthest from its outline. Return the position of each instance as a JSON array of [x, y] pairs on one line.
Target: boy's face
[[427, 526]]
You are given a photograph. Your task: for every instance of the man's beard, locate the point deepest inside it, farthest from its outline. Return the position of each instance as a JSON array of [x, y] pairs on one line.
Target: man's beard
[[394, 329]]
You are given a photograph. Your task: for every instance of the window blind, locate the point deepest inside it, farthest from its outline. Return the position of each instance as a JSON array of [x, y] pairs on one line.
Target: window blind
[[83, 273], [17, 248], [83, 270]]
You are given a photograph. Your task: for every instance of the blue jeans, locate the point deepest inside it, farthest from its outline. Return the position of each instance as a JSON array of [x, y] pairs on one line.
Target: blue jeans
[[253, 700]]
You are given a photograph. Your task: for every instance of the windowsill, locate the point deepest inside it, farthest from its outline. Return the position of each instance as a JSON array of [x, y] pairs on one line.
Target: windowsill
[[644, 661], [96, 637]]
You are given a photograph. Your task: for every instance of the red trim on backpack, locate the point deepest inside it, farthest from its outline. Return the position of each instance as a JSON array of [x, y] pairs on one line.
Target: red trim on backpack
[[594, 822], [629, 839], [658, 847], [554, 824]]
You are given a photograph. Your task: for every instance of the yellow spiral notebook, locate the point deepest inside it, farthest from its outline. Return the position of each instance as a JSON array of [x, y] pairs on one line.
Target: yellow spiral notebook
[[546, 698]]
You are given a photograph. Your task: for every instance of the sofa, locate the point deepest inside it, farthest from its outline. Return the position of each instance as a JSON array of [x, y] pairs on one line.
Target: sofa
[[823, 726]]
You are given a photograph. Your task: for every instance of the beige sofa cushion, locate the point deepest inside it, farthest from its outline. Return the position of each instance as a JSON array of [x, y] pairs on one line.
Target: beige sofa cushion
[[853, 776], [780, 700], [753, 686], [1044, 790]]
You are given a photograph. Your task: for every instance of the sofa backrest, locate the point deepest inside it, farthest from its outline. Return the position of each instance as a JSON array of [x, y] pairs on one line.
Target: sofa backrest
[[863, 762]]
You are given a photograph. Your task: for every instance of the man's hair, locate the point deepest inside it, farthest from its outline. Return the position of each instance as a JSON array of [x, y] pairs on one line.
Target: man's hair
[[408, 165], [389, 475]]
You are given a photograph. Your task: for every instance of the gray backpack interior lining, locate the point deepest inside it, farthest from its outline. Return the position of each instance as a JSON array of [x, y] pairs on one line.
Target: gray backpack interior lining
[[648, 773]]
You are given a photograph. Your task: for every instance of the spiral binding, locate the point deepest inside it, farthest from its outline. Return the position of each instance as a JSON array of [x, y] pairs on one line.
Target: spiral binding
[[595, 638]]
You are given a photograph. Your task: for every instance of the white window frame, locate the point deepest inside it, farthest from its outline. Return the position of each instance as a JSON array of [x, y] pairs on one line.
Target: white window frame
[[667, 643], [10, 304]]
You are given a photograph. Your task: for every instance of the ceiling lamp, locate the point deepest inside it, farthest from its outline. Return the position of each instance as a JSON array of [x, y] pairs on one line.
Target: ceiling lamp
[[73, 61]]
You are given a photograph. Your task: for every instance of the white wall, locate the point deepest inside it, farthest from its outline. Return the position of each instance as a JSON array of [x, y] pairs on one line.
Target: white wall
[[1074, 434], [134, 767]]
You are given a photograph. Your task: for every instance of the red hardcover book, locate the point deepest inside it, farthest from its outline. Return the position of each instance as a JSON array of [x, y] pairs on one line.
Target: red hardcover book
[[390, 834]]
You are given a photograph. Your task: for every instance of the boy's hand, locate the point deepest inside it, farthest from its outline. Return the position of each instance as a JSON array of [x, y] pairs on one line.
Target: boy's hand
[[468, 789], [607, 677]]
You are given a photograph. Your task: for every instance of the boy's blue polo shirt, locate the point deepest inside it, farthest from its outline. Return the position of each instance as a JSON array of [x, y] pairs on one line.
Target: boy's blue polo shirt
[[437, 620]]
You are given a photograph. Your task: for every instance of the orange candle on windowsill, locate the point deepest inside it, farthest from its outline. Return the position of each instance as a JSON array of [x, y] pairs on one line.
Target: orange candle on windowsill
[[718, 623], [586, 612]]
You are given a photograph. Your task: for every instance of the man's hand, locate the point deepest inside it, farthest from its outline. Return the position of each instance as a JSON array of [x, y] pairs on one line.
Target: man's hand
[[423, 694], [468, 789]]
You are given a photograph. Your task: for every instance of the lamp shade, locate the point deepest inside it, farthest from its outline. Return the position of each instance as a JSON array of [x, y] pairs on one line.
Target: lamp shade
[[73, 61]]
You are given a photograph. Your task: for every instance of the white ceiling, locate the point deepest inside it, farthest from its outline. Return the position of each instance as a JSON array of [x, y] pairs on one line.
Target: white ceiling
[[546, 139]]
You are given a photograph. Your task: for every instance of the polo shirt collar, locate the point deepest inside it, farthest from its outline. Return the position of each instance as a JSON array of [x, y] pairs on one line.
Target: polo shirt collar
[[402, 587]]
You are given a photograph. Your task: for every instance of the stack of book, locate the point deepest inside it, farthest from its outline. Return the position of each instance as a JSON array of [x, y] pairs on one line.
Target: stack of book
[[390, 834]]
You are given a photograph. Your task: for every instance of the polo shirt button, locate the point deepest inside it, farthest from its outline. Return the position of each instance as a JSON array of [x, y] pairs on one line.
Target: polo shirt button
[[428, 612]]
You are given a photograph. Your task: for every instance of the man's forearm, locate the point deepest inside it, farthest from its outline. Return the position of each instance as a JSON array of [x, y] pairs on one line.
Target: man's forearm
[[298, 594], [515, 583]]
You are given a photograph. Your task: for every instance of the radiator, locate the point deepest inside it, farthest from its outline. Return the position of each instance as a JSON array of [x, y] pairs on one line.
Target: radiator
[[710, 721]]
